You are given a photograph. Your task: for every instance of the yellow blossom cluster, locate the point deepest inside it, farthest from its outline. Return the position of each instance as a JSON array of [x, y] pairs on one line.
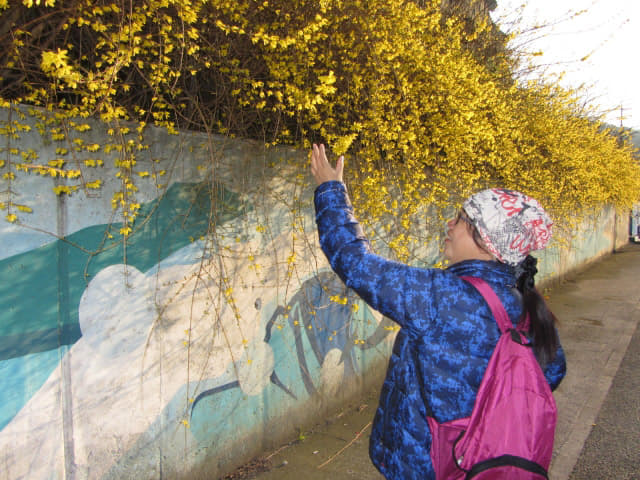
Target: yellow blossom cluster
[[409, 94]]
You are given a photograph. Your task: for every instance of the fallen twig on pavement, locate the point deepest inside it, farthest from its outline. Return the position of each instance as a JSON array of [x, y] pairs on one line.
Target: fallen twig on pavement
[[358, 435]]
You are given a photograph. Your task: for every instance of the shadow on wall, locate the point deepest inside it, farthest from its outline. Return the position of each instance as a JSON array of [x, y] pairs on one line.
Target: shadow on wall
[[310, 347], [320, 342], [325, 332]]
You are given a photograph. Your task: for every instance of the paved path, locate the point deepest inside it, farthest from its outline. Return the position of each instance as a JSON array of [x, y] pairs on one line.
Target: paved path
[[598, 310], [612, 449]]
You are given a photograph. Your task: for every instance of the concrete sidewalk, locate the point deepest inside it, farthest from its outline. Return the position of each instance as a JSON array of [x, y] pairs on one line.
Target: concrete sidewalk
[[612, 449], [598, 311]]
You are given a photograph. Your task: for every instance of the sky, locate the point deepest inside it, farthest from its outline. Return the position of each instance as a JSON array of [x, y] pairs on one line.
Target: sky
[[606, 32]]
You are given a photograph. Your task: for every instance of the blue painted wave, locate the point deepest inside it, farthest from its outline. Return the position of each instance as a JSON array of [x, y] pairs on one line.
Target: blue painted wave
[[40, 290]]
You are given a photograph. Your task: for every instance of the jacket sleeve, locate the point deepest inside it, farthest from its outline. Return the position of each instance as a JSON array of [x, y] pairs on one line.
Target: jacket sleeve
[[380, 282]]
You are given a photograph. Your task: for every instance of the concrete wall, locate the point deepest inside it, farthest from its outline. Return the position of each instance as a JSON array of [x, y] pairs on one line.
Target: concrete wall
[[597, 236], [215, 331]]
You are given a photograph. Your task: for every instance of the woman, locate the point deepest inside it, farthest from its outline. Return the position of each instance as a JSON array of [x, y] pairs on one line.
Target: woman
[[447, 331]]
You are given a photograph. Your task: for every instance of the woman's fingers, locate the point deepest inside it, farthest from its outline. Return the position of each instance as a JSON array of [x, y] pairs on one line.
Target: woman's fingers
[[340, 167], [321, 169]]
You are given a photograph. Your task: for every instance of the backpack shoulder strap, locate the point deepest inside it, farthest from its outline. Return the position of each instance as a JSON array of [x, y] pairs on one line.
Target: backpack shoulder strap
[[497, 309]]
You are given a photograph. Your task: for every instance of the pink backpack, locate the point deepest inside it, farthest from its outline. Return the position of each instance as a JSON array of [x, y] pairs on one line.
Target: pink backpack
[[510, 432]]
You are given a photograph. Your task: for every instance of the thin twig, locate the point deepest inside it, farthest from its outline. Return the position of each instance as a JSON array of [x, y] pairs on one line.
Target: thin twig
[[358, 435], [268, 457]]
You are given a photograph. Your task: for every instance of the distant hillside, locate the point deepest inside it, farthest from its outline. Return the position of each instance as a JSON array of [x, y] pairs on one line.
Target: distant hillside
[[635, 135]]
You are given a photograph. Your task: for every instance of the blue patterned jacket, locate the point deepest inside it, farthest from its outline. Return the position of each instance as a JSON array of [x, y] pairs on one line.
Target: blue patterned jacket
[[443, 347]]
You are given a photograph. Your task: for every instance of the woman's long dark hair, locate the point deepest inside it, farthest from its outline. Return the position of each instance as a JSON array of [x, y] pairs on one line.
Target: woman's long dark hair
[[542, 320]]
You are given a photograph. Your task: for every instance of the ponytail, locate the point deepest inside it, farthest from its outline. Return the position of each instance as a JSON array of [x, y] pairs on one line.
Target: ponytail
[[542, 321]]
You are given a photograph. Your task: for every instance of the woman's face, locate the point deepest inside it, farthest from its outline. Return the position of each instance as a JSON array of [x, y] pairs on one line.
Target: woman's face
[[459, 244]]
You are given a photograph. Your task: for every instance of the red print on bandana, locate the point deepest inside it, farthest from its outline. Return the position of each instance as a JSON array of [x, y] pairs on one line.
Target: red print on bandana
[[509, 202], [541, 232], [520, 244]]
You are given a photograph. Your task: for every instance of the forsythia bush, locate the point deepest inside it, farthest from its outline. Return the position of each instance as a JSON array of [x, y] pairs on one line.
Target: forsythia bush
[[393, 84]]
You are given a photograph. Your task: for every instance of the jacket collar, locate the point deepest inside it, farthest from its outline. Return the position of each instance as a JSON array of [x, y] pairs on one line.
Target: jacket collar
[[492, 271]]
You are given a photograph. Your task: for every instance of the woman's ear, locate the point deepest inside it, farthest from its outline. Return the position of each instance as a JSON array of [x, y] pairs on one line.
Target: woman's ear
[[477, 239]]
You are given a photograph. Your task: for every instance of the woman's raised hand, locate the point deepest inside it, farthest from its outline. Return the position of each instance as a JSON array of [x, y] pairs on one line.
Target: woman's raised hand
[[321, 169]]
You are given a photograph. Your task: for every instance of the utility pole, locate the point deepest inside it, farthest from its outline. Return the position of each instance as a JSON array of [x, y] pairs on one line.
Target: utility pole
[[622, 110], [621, 114]]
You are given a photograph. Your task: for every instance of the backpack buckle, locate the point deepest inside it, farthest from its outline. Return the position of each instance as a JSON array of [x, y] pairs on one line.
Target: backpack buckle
[[516, 336]]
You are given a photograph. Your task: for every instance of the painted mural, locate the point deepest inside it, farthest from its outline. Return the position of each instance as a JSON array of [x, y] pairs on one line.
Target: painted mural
[[42, 313], [192, 341], [150, 357], [153, 373]]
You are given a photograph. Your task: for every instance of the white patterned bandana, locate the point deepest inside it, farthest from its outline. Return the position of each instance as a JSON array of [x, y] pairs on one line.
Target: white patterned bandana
[[510, 223]]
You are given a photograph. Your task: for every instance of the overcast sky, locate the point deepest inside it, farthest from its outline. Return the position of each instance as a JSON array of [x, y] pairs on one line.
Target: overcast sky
[[607, 33]]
